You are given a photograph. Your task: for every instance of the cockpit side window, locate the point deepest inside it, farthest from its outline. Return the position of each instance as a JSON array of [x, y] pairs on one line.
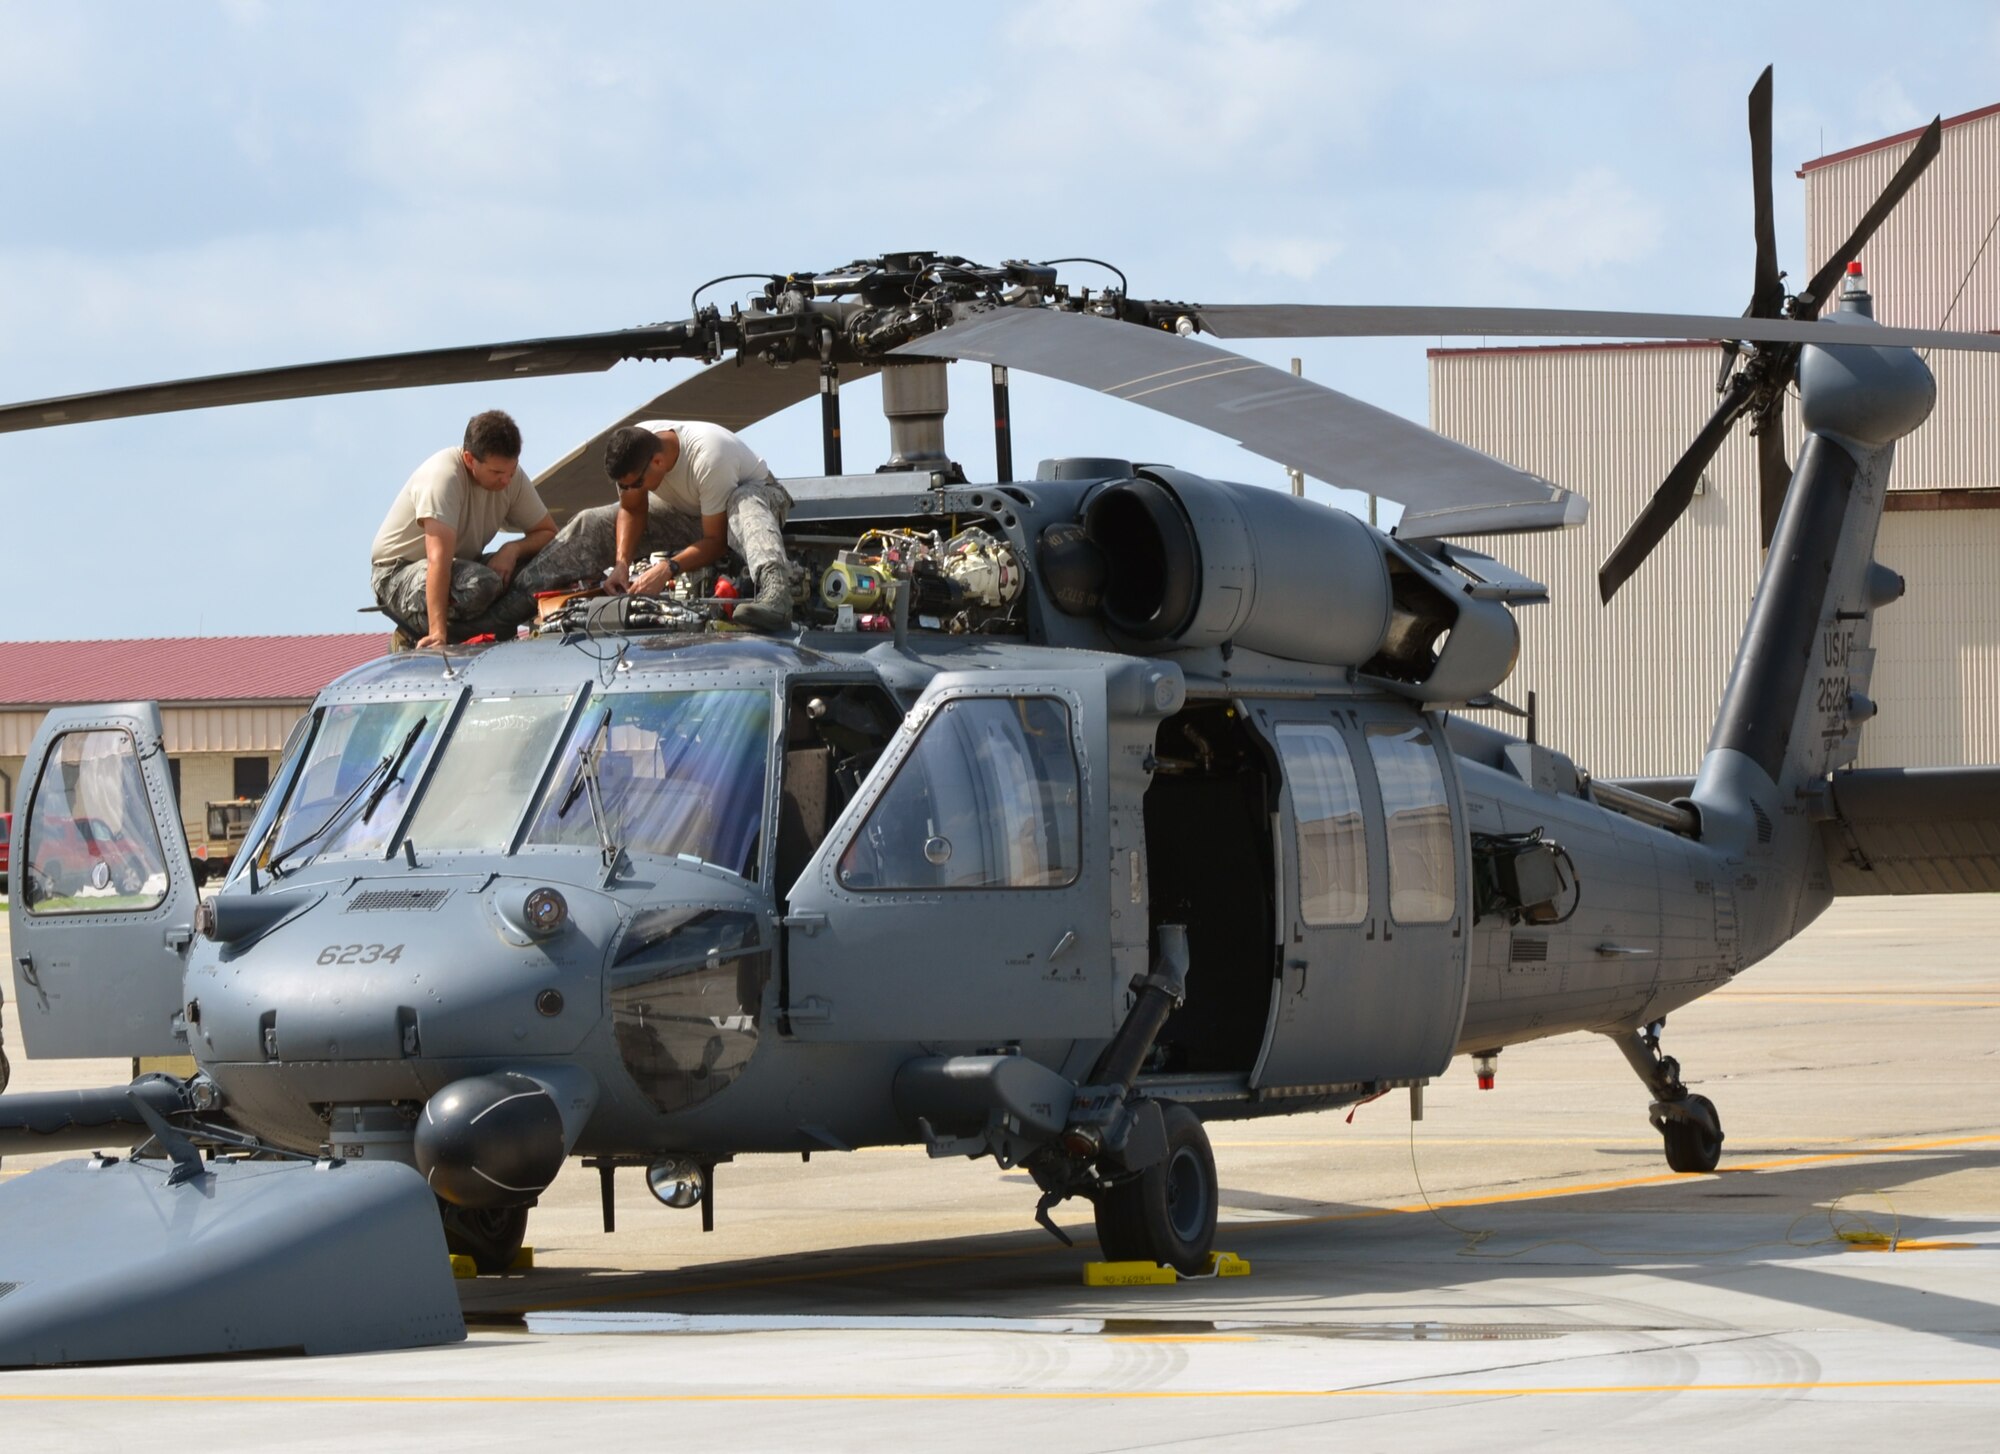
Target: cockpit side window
[[990, 797]]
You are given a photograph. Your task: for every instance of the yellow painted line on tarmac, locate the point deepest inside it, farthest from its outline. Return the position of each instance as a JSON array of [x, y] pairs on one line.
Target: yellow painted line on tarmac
[[1004, 1396]]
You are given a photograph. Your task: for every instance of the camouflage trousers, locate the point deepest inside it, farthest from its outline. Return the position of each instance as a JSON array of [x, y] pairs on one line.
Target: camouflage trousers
[[585, 547], [399, 591]]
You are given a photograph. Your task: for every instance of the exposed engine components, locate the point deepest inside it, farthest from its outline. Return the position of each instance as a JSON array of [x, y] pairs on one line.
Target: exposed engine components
[[965, 583]]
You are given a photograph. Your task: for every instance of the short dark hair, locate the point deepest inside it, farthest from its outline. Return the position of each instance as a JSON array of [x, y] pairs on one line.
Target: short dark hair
[[493, 433], [629, 449]]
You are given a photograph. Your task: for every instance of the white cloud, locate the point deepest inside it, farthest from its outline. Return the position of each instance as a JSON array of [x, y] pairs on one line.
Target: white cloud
[[1297, 258], [1596, 221]]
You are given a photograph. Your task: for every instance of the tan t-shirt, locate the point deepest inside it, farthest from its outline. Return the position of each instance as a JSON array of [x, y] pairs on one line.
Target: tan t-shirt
[[713, 462], [443, 490]]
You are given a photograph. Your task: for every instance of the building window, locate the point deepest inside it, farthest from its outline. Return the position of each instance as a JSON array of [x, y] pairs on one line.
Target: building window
[[253, 777]]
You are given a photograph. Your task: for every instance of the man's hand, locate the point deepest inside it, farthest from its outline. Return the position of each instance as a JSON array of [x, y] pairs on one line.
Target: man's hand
[[431, 638], [653, 580], [505, 561], [618, 580]]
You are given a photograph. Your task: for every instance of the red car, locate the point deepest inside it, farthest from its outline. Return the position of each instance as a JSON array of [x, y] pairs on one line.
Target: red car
[[76, 853], [6, 833]]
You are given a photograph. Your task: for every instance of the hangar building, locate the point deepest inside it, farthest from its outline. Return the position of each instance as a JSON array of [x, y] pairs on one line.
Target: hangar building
[[1631, 689], [227, 702]]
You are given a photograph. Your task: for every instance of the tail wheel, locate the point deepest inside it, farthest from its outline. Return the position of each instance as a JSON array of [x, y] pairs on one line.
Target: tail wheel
[[1166, 1213], [490, 1236], [1694, 1143]]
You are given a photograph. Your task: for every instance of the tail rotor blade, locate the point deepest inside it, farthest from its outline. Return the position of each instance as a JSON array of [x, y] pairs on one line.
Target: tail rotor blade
[[1921, 156], [1671, 500], [1767, 293]]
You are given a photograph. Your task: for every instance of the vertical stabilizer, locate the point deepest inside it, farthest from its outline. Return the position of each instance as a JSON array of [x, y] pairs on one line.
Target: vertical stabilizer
[[1797, 696]]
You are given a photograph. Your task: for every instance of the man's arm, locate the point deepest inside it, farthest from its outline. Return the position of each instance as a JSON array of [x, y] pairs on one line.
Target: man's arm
[[630, 534], [714, 543], [507, 559], [440, 541]]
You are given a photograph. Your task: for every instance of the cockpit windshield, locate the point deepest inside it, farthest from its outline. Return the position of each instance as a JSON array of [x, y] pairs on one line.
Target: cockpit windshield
[[677, 772], [489, 772], [355, 779]]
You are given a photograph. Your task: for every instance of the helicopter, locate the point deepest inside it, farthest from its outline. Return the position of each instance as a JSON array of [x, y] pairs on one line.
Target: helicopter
[[1076, 813]]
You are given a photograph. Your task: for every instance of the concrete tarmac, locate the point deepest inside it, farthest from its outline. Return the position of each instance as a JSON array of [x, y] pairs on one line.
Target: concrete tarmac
[[1518, 1270]]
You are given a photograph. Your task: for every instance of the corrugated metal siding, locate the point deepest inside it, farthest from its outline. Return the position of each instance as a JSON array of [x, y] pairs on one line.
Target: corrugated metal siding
[[245, 729], [1937, 651], [1630, 688], [1921, 258]]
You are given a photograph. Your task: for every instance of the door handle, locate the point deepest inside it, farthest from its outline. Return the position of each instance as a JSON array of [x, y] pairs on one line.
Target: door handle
[[1300, 965]]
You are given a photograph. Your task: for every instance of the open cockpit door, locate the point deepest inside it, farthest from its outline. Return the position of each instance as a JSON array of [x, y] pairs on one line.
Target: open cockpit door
[[965, 893], [101, 893]]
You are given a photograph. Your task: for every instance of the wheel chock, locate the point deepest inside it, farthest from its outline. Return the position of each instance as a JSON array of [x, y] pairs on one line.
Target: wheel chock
[[1128, 1274], [463, 1266], [1226, 1264], [524, 1261]]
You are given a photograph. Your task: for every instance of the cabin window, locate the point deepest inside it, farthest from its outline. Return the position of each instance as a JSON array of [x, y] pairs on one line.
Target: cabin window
[[988, 798], [677, 773], [354, 751], [92, 847], [1330, 831], [1423, 871]]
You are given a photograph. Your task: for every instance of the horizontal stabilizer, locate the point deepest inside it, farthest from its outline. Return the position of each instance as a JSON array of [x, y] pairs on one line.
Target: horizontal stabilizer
[[104, 1262], [1914, 830]]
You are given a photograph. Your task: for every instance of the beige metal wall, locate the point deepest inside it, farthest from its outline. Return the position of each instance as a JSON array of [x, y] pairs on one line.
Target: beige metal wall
[[1632, 688], [239, 727]]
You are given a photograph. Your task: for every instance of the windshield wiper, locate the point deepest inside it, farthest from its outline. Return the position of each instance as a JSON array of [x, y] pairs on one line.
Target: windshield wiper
[[587, 784], [389, 764]]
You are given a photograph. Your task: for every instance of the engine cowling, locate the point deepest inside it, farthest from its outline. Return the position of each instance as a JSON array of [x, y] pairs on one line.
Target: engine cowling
[[1191, 562]]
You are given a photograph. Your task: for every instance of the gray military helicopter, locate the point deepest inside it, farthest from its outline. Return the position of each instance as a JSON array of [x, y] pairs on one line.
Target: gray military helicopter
[[1081, 811]]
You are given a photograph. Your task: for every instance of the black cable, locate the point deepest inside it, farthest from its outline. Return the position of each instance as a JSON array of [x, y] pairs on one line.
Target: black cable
[[694, 299], [1123, 287]]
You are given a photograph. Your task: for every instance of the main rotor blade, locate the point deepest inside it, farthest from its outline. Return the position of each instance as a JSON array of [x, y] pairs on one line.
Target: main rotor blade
[[732, 395], [1767, 291], [1359, 320], [1446, 487], [1921, 155], [581, 353], [1671, 500], [1774, 471]]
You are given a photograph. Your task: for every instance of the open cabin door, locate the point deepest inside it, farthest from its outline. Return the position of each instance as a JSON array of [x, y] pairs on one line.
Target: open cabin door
[[101, 896], [964, 894]]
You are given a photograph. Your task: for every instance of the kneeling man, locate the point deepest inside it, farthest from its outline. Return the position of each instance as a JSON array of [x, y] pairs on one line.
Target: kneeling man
[[427, 566]]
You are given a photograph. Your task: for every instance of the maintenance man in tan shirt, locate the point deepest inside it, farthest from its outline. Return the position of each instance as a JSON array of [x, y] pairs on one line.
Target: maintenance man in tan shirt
[[687, 489], [429, 570]]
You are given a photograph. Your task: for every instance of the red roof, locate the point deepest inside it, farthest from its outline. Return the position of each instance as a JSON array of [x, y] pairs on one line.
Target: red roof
[[179, 669]]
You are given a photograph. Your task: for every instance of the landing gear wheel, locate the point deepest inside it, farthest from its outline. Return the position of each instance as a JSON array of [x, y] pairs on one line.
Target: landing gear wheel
[[1691, 1143], [1166, 1213], [490, 1236]]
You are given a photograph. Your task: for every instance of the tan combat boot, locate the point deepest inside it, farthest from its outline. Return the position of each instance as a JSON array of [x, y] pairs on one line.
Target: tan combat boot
[[771, 608]]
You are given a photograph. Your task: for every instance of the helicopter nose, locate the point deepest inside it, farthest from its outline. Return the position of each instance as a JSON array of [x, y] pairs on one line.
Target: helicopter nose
[[490, 1140]]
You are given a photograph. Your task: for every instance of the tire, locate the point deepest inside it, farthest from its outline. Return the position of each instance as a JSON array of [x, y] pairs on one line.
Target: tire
[[1166, 1213], [490, 1236], [1691, 1146]]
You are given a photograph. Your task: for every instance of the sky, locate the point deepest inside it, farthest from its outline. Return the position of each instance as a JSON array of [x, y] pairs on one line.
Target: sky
[[208, 187]]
